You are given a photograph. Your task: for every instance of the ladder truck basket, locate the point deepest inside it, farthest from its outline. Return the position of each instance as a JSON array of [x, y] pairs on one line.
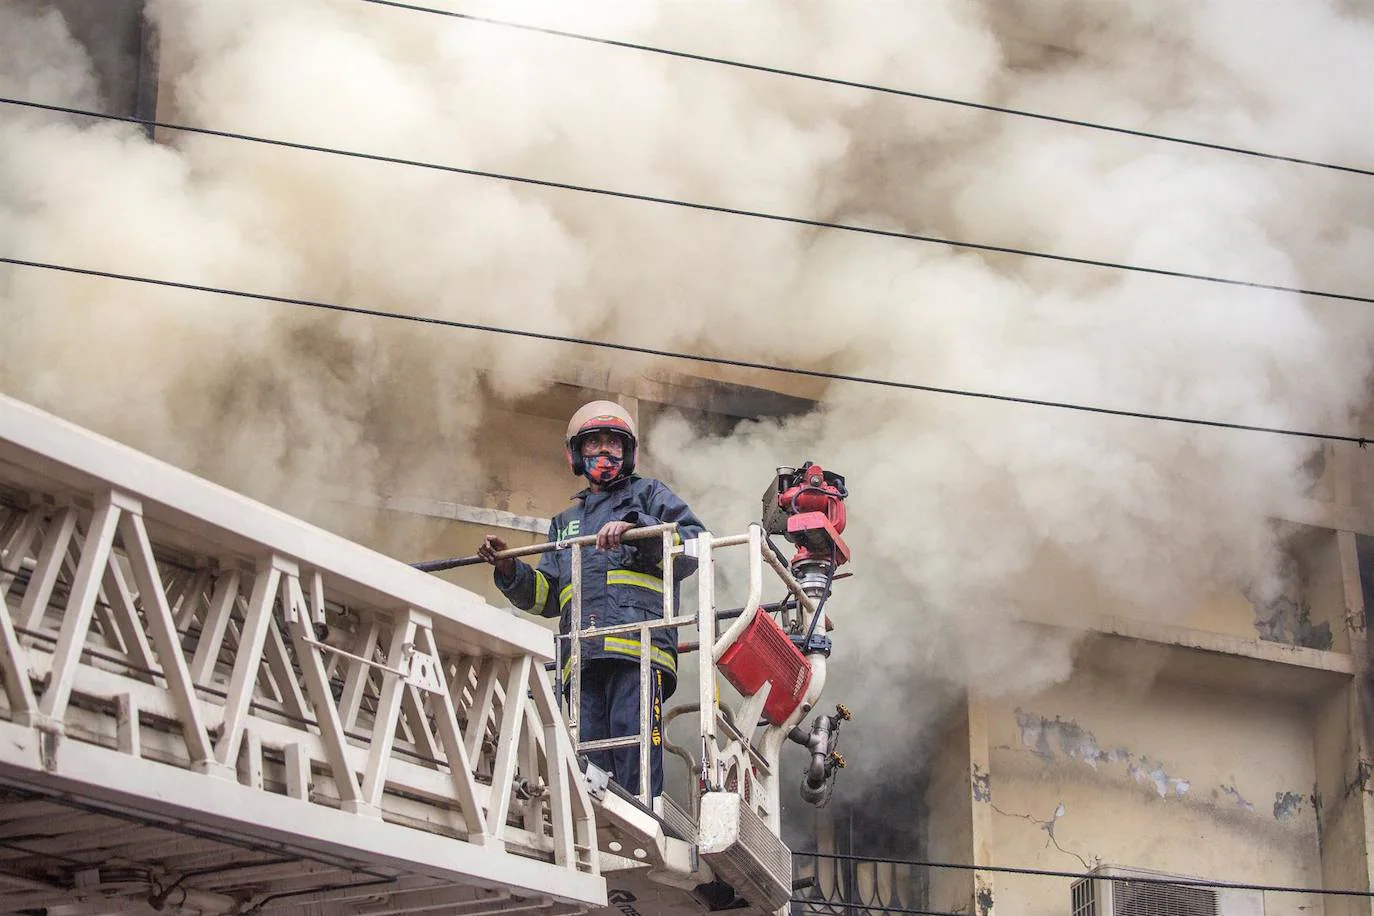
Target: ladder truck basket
[[764, 655]]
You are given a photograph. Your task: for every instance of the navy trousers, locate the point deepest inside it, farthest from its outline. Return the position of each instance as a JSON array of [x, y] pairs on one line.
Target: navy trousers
[[610, 709]]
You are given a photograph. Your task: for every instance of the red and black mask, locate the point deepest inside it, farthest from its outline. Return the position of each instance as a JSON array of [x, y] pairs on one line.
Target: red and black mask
[[602, 467]]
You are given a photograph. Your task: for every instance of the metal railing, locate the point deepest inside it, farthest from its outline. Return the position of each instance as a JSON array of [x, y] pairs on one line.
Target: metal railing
[[667, 535], [731, 757], [166, 643], [848, 886]]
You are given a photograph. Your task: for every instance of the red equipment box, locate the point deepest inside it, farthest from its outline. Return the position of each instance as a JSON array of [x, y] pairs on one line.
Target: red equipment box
[[764, 654]]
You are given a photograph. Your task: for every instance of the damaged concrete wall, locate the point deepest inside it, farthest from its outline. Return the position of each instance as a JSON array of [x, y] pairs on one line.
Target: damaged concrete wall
[[1171, 778], [1303, 608], [1344, 785], [1308, 607], [953, 785]]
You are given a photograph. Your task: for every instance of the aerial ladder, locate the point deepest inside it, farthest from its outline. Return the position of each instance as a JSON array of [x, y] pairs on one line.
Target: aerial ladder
[[212, 707]]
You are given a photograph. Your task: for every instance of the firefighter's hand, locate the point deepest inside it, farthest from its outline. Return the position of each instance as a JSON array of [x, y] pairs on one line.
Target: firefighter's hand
[[610, 534], [490, 546]]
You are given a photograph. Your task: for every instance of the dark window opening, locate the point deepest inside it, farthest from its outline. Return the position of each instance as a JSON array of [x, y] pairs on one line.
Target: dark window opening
[[122, 46]]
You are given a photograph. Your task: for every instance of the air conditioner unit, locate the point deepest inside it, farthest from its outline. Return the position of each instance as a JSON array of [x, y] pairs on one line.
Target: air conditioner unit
[[1109, 890]]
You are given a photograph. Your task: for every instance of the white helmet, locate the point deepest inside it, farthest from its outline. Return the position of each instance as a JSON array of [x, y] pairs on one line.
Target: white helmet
[[601, 416]]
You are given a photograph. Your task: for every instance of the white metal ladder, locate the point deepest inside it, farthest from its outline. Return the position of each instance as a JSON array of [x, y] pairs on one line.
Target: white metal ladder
[[644, 630]]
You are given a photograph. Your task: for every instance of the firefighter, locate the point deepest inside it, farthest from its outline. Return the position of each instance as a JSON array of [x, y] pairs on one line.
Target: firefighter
[[622, 582]]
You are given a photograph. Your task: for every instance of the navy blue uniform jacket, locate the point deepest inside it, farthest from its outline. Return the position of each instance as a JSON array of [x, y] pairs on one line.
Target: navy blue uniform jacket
[[621, 585]]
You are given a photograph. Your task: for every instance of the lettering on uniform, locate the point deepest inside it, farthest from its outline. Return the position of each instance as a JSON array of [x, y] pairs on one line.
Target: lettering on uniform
[[573, 529], [657, 735]]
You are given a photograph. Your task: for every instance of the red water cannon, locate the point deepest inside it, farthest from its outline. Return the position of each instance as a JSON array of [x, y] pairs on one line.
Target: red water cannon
[[806, 506]]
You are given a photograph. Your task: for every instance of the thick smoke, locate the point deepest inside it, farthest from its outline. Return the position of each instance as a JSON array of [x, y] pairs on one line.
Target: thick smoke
[[967, 514]]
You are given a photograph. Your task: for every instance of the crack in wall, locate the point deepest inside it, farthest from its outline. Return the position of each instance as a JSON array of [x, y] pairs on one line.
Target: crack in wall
[[1048, 826]]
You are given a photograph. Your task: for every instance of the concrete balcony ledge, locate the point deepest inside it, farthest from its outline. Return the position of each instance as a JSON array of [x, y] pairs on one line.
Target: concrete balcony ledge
[[1336, 516], [1217, 660]]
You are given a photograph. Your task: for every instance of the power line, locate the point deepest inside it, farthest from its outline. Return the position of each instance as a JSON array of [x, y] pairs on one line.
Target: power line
[[691, 205], [1132, 879], [873, 87], [673, 354], [830, 906]]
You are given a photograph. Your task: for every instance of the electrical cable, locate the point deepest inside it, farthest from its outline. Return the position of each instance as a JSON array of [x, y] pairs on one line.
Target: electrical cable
[[1052, 873], [1361, 441], [873, 87], [331, 888], [696, 205], [833, 906], [38, 853]]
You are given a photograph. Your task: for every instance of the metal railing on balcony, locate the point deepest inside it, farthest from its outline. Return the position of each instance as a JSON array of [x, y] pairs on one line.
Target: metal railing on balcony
[[829, 885]]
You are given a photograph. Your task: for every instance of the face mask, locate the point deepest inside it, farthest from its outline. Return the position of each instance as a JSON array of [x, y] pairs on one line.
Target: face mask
[[602, 469]]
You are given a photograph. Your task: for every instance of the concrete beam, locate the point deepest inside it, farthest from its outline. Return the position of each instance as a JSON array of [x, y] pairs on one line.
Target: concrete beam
[[1336, 516], [1211, 659], [672, 389]]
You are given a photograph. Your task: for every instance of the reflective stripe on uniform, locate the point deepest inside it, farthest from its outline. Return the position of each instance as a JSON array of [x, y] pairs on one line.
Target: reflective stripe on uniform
[[619, 577], [629, 577], [630, 648], [541, 589]]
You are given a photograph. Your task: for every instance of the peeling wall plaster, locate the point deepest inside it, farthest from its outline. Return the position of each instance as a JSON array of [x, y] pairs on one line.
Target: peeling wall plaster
[[1234, 793], [982, 784], [1289, 621], [1052, 739], [1287, 805]]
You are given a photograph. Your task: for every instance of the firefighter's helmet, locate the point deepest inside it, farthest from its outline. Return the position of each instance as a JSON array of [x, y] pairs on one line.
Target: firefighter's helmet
[[596, 417]]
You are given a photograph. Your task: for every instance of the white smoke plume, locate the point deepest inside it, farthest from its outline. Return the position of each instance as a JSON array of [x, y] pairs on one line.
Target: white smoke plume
[[965, 513]]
